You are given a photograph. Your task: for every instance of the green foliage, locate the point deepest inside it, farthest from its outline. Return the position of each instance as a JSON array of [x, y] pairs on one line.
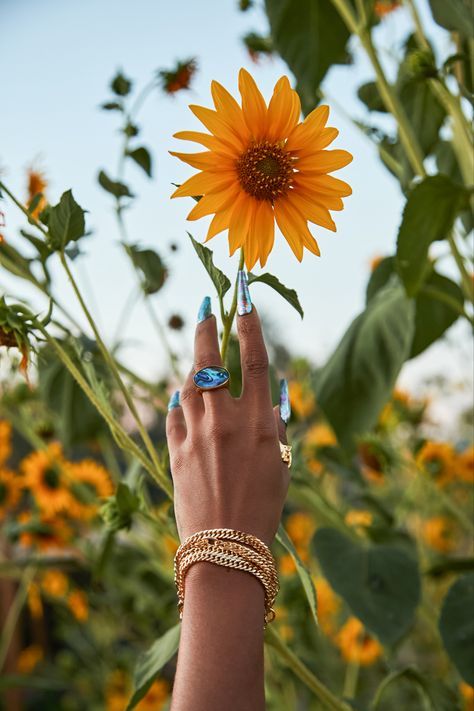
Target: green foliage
[[150, 265], [142, 158], [435, 695], [65, 222], [456, 626], [121, 85], [310, 36], [150, 663], [380, 583], [303, 572], [218, 278], [429, 215], [289, 295], [117, 512], [453, 15], [114, 187], [357, 380]]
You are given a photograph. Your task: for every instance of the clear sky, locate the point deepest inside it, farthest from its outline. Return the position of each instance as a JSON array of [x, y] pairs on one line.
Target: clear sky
[[56, 59]]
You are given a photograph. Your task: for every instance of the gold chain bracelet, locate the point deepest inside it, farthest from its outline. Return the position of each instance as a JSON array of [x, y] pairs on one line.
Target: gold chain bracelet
[[233, 549]]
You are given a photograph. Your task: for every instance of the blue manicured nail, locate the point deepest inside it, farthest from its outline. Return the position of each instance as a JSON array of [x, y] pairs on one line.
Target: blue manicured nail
[[205, 310], [174, 401], [244, 302], [285, 405]]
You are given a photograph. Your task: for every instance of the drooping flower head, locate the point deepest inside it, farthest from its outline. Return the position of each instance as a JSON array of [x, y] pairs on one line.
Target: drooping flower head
[[385, 7], [262, 165]]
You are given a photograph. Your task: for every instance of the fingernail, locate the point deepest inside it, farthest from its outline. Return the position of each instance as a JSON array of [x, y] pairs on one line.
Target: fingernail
[[285, 405], [244, 302], [205, 310], [174, 401]]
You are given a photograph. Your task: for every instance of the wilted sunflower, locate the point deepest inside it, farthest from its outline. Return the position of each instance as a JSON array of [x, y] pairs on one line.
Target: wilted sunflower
[[46, 477], [263, 165]]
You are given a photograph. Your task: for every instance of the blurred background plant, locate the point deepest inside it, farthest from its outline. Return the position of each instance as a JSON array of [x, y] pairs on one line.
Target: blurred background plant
[[378, 524]]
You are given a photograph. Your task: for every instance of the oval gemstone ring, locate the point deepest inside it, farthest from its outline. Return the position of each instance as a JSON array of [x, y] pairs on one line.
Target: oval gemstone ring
[[212, 377]]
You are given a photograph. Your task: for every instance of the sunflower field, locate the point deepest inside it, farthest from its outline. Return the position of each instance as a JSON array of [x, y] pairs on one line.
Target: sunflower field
[[375, 548]]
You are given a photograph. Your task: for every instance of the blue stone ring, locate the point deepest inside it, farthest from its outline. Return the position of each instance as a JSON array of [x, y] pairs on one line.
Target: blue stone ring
[[212, 377]]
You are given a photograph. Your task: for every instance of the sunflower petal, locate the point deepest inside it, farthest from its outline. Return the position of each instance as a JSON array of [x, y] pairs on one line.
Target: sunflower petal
[[328, 200], [207, 160], [283, 110], [288, 228], [229, 110], [217, 126], [219, 223], [323, 184], [324, 162], [242, 214], [253, 105], [213, 202], [203, 183], [264, 226], [307, 132], [311, 211], [211, 142]]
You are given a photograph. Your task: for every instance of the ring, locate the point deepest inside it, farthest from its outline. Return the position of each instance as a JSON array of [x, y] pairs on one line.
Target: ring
[[285, 450], [212, 377]]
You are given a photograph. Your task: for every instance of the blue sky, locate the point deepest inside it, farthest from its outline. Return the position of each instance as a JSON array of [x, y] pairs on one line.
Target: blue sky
[[56, 60]]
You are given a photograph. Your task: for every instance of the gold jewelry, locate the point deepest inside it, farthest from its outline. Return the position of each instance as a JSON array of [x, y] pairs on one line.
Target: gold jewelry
[[233, 549], [286, 456]]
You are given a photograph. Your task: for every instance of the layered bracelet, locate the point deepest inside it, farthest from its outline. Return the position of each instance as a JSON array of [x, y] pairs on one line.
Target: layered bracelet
[[232, 549]]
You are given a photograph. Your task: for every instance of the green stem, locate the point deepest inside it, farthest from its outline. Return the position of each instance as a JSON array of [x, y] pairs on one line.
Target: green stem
[[350, 680], [229, 319], [31, 220], [14, 613], [466, 282], [325, 696], [161, 476], [448, 300]]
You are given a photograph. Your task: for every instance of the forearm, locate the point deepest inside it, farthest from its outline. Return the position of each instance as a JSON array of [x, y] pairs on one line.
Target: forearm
[[220, 660]]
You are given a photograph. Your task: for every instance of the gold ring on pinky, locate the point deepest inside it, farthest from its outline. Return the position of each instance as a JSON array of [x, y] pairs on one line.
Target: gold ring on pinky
[[285, 450]]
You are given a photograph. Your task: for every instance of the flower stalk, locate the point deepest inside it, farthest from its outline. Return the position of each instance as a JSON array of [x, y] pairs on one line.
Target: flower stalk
[[228, 319]]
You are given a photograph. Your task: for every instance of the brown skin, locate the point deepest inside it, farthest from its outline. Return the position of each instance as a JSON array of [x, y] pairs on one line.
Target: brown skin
[[227, 473]]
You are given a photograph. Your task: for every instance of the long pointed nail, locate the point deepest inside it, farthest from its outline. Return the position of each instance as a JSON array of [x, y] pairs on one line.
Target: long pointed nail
[[285, 405], [244, 302], [174, 401], [205, 310]]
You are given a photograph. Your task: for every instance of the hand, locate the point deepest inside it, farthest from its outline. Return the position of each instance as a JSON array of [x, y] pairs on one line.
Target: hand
[[225, 457]]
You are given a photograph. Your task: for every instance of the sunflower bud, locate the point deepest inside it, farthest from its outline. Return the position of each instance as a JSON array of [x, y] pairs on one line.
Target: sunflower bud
[[420, 64], [117, 512]]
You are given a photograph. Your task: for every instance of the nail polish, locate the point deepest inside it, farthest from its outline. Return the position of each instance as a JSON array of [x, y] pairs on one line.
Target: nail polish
[[205, 310], [174, 401], [285, 405], [244, 302]]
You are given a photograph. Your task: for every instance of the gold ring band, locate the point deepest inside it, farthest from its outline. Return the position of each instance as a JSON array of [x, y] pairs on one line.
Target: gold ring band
[[286, 456]]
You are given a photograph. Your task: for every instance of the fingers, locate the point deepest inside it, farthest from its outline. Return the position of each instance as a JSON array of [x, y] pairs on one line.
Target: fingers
[[175, 423], [207, 353], [280, 425], [253, 354]]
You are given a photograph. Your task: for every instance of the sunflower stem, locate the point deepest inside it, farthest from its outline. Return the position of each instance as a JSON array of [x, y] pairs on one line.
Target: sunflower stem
[[14, 613], [161, 476], [229, 319]]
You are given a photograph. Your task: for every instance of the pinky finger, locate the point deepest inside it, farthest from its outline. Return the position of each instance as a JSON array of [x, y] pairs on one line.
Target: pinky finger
[[175, 423]]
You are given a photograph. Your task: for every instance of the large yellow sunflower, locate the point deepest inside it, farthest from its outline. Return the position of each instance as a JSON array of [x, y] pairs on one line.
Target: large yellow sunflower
[[263, 165]]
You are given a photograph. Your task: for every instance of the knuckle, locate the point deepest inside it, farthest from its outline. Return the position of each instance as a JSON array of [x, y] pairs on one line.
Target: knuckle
[[206, 359], [187, 393], [263, 432], [256, 363], [220, 430]]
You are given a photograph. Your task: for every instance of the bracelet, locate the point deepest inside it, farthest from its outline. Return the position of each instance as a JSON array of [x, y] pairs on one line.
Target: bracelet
[[233, 549]]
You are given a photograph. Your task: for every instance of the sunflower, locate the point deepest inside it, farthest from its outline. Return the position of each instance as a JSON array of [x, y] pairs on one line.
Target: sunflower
[[437, 460], [5, 441], [262, 165], [464, 466], [328, 605], [89, 482], [78, 605], [46, 477], [440, 533], [356, 644], [36, 185], [45, 532], [9, 492]]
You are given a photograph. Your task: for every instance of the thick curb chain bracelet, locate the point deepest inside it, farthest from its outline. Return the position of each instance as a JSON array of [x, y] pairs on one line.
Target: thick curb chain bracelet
[[233, 549]]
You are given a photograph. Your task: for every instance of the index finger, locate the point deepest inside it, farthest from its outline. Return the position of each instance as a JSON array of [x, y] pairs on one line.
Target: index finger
[[253, 353]]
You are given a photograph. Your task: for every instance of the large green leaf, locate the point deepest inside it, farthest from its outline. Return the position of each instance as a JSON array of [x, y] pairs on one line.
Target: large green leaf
[[456, 625], [150, 265], [380, 583], [219, 279], [310, 36], [433, 315], [303, 572], [65, 222], [433, 691], [356, 382], [150, 663], [289, 295], [429, 215], [453, 15], [369, 94]]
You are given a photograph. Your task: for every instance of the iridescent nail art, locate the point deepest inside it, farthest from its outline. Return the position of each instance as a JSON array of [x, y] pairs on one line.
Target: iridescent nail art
[[285, 405], [205, 310], [244, 302], [174, 401]]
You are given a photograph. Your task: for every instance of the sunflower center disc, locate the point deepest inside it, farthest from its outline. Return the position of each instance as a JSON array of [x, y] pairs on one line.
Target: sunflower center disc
[[265, 171], [51, 478]]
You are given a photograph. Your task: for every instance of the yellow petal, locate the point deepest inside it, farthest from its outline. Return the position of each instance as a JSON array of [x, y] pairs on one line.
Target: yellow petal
[[240, 221], [324, 184], [308, 131], [283, 110], [229, 110], [218, 127], [211, 142], [204, 183], [213, 203], [329, 201], [264, 225], [323, 140], [288, 228], [219, 222], [311, 211], [207, 160], [324, 162], [253, 105]]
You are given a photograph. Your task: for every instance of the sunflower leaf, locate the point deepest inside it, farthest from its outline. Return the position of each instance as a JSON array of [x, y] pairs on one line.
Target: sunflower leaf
[[142, 158], [289, 295], [150, 663], [113, 186], [65, 222], [219, 279], [456, 626]]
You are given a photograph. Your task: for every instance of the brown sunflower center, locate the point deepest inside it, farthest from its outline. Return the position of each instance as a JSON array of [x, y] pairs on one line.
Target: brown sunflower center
[[51, 478], [265, 170]]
